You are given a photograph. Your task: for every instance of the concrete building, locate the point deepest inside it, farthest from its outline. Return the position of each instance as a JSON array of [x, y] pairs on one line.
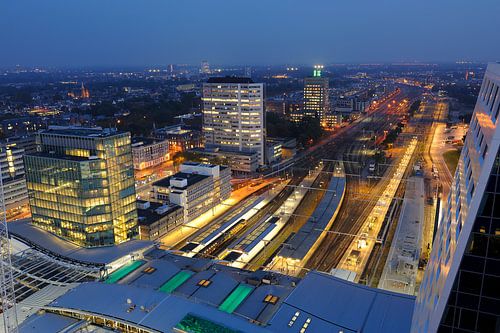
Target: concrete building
[[298, 113], [27, 143], [179, 138], [316, 94], [148, 152], [333, 119], [241, 163], [156, 220], [197, 188], [273, 150], [460, 289], [15, 193], [294, 109], [288, 147], [81, 185], [233, 115]]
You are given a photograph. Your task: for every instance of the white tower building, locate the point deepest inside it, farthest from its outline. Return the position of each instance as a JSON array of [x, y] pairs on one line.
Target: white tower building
[[460, 291], [233, 115]]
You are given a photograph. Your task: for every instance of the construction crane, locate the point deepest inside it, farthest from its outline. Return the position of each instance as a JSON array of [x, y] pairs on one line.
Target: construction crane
[[7, 292]]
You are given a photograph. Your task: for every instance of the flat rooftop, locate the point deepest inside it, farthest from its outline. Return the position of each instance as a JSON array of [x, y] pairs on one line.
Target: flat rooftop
[[222, 151], [48, 243], [235, 299], [192, 178], [149, 215], [61, 157], [90, 132], [151, 307], [333, 305], [142, 141]]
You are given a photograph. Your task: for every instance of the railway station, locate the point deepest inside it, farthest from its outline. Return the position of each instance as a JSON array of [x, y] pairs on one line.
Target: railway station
[[293, 256]]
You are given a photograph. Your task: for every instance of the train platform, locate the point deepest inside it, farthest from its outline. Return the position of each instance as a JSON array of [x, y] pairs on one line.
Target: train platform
[[258, 237], [293, 256], [400, 270]]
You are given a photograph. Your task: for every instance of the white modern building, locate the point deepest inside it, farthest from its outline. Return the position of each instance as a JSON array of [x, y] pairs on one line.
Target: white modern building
[[460, 291], [233, 115], [198, 187]]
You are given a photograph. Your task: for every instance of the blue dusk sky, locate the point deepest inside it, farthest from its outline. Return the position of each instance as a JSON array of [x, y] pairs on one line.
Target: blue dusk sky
[[66, 33]]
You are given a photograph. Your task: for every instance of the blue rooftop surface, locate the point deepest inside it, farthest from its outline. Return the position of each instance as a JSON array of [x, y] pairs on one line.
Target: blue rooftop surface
[[333, 304], [220, 287], [254, 305], [164, 270], [300, 244], [161, 311], [46, 322], [319, 302]]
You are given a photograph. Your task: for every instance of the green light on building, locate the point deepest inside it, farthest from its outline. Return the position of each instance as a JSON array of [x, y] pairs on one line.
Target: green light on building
[[194, 324], [235, 298]]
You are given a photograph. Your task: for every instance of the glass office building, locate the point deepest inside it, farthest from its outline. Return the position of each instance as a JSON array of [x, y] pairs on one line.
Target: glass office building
[[461, 286], [81, 185]]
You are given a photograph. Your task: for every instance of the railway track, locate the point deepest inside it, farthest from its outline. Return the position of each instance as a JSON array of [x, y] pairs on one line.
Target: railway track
[[355, 208], [344, 144]]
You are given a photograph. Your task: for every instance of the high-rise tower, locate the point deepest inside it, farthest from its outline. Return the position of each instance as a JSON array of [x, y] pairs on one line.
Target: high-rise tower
[[233, 115], [460, 291], [316, 99]]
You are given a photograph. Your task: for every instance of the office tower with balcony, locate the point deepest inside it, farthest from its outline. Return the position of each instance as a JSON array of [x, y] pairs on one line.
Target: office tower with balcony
[[316, 99], [460, 291], [81, 185], [233, 116]]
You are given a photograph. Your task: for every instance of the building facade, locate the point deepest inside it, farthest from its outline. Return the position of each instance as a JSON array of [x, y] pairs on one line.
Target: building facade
[[197, 188], [15, 193], [179, 138], [148, 153], [81, 185], [156, 220], [242, 163], [274, 151], [460, 291], [233, 115], [316, 94]]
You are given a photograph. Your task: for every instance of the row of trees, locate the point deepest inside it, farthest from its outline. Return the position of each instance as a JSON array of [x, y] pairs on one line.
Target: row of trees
[[191, 156], [307, 132], [143, 113]]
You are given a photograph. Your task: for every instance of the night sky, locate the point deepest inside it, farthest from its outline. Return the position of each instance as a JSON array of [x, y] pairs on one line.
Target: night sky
[[66, 33]]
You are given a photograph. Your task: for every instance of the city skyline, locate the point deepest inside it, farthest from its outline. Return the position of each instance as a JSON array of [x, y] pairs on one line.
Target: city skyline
[[265, 166], [97, 34]]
